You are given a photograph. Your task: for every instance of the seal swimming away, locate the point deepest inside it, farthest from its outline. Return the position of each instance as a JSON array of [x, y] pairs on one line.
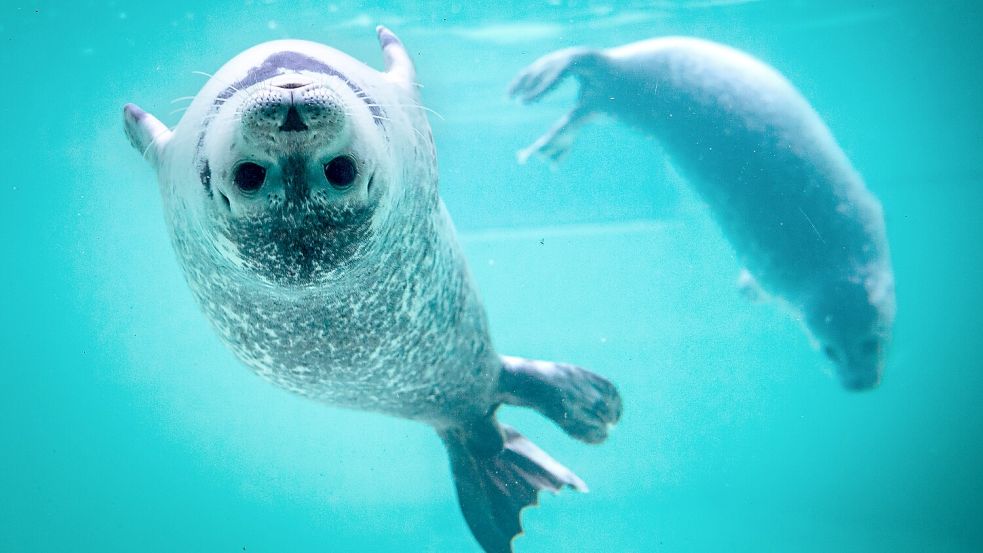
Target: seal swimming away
[[785, 195], [300, 192]]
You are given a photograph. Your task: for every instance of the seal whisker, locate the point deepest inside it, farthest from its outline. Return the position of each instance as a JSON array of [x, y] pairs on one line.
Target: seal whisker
[[210, 76], [182, 99], [153, 141], [364, 96], [417, 106]]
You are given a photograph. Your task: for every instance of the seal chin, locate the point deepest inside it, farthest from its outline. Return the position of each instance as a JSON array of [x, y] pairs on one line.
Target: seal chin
[[293, 245]]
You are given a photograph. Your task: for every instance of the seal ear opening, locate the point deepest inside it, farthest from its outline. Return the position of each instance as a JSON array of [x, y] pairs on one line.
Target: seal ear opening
[[146, 133], [399, 67]]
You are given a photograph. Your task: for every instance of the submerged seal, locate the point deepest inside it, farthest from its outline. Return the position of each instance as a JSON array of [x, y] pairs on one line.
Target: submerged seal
[[785, 194], [300, 190]]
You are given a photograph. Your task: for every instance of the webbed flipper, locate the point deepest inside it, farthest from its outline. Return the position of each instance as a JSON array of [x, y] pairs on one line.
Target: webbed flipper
[[556, 142], [582, 403], [497, 473], [543, 76]]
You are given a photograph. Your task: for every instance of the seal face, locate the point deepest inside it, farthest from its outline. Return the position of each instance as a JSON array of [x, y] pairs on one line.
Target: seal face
[[289, 153], [300, 190], [787, 198]]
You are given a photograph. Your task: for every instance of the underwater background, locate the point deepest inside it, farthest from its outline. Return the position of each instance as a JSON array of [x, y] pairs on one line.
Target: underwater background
[[126, 426]]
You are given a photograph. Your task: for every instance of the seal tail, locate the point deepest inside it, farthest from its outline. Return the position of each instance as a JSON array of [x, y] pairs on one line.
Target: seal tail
[[497, 473]]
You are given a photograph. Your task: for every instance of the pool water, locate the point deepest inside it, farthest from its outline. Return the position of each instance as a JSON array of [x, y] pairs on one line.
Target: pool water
[[125, 425]]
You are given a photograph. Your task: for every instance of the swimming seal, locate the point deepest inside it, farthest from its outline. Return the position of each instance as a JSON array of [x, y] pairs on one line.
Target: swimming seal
[[300, 191], [784, 193]]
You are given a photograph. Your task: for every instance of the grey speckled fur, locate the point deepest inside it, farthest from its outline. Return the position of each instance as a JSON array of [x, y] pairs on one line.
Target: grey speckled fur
[[354, 292]]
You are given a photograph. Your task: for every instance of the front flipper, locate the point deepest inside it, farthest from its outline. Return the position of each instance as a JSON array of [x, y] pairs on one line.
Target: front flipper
[[543, 75], [148, 135], [581, 402], [556, 142]]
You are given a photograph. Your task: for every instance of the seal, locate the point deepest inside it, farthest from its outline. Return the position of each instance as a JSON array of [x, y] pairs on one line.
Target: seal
[[300, 192], [787, 198]]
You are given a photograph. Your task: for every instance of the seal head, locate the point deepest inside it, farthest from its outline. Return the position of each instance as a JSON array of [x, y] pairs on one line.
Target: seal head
[[292, 176], [852, 322], [292, 162]]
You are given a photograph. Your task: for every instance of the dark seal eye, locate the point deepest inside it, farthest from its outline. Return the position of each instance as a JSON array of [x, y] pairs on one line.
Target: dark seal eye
[[831, 353], [249, 176], [341, 171]]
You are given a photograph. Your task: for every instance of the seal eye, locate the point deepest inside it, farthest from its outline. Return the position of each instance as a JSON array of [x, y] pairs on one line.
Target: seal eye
[[249, 176], [341, 171], [832, 354]]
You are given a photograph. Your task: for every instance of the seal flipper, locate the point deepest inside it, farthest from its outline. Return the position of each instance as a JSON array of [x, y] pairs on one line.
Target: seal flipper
[[399, 66], [146, 133], [498, 472], [582, 403], [556, 142], [545, 74]]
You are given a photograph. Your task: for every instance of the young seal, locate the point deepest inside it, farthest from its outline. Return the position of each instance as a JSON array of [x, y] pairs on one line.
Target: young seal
[[300, 190], [784, 193]]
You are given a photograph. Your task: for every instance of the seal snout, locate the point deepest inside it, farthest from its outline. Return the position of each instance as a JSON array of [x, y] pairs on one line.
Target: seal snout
[[295, 107]]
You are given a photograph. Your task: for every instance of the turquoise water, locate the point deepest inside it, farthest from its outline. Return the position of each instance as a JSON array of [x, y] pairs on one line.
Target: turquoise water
[[126, 426]]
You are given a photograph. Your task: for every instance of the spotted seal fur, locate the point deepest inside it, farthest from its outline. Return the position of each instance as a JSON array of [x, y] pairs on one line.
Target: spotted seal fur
[[300, 190]]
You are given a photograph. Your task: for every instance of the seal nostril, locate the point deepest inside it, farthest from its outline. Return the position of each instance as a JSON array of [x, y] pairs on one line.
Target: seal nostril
[[293, 122]]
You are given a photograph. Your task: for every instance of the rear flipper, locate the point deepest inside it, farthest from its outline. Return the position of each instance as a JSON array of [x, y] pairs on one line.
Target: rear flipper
[[582, 403], [497, 473]]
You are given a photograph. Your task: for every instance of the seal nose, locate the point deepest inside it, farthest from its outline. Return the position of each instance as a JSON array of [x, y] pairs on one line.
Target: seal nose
[[308, 112], [293, 122]]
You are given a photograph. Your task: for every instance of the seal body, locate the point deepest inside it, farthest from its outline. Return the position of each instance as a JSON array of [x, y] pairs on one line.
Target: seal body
[[372, 311], [300, 190], [786, 196]]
